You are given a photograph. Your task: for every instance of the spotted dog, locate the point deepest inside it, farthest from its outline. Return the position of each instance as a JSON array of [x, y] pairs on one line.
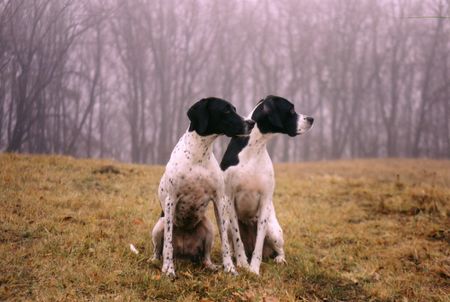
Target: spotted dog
[[191, 180], [249, 182]]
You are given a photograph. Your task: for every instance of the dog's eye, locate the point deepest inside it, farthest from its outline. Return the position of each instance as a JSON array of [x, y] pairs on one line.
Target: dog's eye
[[227, 111], [292, 112]]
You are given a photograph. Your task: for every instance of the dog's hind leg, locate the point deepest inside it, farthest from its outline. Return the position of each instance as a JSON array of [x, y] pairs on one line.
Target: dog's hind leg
[[275, 238], [158, 239], [208, 244]]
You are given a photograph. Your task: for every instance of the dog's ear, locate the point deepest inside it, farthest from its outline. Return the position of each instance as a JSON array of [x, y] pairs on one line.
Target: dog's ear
[[272, 113], [199, 116], [258, 113]]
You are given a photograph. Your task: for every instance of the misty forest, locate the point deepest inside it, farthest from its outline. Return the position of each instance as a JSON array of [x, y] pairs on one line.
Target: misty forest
[[115, 78]]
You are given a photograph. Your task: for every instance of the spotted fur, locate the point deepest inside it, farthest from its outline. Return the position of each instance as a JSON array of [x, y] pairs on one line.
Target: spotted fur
[[249, 183], [191, 180]]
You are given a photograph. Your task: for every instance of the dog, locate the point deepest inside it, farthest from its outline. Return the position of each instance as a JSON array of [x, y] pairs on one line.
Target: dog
[[249, 183], [191, 180]]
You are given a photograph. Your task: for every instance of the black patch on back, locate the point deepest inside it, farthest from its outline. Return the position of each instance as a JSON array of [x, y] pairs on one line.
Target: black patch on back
[[231, 158]]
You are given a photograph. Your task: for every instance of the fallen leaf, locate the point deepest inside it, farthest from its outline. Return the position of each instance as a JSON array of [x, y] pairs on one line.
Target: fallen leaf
[[138, 221], [133, 249], [187, 274], [270, 299]]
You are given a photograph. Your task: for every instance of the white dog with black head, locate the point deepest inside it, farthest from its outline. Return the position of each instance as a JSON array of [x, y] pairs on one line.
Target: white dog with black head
[[191, 180], [249, 182]]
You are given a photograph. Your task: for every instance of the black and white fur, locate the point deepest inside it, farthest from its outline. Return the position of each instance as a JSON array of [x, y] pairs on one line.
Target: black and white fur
[[249, 182], [191, 180]]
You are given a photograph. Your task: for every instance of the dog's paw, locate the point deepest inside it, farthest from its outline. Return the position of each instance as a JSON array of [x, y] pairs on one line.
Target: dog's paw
[[254, 266], [242, 263], [171, 275], [280, 259], [254, 270], [230, 269], [169, 270], [211, 266], [155, 258]]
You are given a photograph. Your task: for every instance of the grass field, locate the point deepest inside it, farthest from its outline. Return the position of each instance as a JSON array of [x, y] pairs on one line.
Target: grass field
[[360, 230]]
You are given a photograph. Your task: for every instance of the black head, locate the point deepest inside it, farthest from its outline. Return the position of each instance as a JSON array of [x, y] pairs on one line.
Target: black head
[[275, 114], [216, 116]]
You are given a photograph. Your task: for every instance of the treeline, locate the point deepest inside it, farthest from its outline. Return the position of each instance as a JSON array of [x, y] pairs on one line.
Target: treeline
[[115, 78]]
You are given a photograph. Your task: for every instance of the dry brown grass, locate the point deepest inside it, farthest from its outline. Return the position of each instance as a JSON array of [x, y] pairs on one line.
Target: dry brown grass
[[360, 230]]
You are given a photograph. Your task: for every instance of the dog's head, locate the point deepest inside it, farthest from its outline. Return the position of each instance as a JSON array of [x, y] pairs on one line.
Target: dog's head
[[216, 116], [275, 114]]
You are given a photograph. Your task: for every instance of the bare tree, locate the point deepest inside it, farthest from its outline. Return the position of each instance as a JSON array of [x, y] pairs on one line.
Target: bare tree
[[115, 78]]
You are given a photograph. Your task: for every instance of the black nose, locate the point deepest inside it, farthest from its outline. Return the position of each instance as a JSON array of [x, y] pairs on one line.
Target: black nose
[[250, 124], [310, 120]]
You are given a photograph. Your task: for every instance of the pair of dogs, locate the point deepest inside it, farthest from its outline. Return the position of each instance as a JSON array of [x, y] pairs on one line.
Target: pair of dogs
[[241, 188]]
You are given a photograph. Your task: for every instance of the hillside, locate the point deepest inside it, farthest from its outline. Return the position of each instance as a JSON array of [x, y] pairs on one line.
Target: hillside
[[359, 230]]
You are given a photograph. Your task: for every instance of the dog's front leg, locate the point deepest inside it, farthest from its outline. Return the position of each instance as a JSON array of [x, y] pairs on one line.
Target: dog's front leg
[[263, 220], [221, 208], [169, 211]]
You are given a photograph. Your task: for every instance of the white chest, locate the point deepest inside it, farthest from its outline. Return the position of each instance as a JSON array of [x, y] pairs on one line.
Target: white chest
[[192, 179]]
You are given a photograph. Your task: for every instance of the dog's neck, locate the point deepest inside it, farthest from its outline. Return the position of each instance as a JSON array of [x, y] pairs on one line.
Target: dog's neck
[[197, 148], [246, 149], [257, 141]]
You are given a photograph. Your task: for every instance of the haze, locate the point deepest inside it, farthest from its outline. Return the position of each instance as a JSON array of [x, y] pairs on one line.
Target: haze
[[114, 79]]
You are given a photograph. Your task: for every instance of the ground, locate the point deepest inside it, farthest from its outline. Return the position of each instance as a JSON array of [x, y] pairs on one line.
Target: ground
[[357, 230]]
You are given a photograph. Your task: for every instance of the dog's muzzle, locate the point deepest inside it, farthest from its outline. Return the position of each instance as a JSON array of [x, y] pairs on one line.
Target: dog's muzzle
[[305, 124], [249, 124]]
